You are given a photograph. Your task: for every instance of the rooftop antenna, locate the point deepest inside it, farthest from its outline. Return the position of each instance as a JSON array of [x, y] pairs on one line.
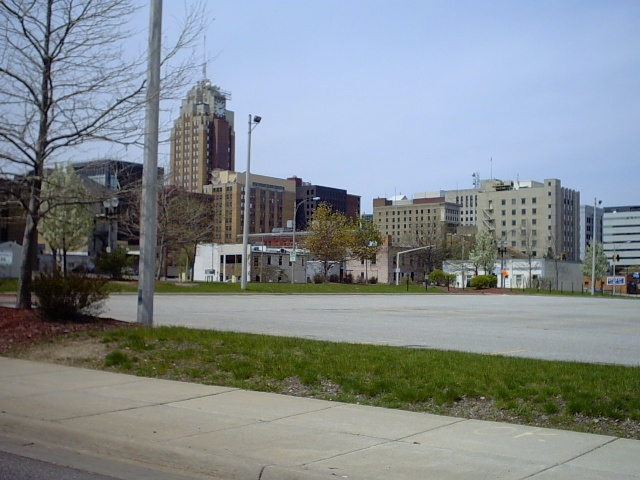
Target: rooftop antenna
[[204, 59], [491, 161]]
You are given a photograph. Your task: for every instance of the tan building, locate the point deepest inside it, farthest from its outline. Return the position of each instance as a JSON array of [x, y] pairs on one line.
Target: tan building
[[536, 218], [271, 204], [421, 221], [202, 138]]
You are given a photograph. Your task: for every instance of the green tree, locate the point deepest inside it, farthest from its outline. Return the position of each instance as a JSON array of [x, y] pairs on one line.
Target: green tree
[[67, 221], [330, 236], [484, 251], [367, 242], [602, 264]]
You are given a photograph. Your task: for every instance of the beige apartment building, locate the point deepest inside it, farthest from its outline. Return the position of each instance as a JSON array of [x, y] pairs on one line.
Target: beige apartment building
[[536, 218], [271, 206], [421, 221]]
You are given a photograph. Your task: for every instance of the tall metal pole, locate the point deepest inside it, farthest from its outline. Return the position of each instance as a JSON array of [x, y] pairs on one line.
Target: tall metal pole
[[293, 240], [594, 244], [149, 201], [247, 201]]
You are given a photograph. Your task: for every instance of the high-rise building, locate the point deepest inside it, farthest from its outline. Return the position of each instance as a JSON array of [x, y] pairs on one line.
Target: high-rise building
[[537, 218], [270, 206], [202, 138], [422, 221], [588, 228], [621, 235], [339, 199]]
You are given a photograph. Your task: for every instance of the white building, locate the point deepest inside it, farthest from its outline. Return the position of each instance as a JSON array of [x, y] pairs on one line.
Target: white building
[[541, 273], [621, 235], [218, 262]]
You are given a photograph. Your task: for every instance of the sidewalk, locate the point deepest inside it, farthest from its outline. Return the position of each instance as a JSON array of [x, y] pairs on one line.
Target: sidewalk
[[225, 433]]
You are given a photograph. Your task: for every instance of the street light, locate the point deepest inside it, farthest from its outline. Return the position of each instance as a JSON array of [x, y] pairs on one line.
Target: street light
[[594, 244], [253, 122], [110, 206], [502, 249], [292, 257]]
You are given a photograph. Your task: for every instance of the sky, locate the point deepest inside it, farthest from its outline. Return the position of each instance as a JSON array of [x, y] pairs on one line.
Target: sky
[[400, 97]]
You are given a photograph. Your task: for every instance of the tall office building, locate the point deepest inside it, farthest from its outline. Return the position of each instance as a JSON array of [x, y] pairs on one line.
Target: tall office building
[[537, 218], [621, 235], [270, 204], [339, 199], [202, 138]]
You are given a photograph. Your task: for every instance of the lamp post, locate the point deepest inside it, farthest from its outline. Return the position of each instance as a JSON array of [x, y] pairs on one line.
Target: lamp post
[[594, 244], [110, 206], [502, 249], [292, 257], [253, 122]]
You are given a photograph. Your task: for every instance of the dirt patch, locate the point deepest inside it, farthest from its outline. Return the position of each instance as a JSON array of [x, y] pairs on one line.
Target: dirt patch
[[20, 328]]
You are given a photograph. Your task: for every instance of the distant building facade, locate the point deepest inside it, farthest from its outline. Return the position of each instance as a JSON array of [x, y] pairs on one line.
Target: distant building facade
[[421, 221], [202, 138], [588, 228], [339, 199], [621, 235], [270, 204], [538, 218]]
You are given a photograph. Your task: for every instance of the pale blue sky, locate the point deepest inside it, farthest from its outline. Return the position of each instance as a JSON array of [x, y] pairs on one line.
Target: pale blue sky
[[403, 96]]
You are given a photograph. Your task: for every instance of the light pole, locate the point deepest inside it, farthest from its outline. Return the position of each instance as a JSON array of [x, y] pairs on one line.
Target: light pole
[[253, 122], [502, 249], [292, 257], [110, 206], [594, 244]]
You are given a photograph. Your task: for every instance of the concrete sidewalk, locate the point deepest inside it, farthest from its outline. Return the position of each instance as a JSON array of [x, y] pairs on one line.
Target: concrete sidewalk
[[224, 433]]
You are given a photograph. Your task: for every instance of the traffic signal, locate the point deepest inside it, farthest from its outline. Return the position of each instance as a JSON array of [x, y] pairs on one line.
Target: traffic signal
[[616, 257]]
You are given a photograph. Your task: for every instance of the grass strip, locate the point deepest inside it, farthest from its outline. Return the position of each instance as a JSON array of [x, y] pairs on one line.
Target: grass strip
[[568, 395]]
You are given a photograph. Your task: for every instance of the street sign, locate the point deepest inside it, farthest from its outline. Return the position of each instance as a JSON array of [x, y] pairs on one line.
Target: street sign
[[615, 281], [636, 275]]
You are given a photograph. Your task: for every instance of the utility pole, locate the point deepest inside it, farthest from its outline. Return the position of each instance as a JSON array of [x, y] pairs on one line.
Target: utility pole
[[149, 200]]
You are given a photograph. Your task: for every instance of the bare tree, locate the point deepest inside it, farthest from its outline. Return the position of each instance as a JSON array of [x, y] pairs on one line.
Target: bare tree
[[65, 80], [185, 220]]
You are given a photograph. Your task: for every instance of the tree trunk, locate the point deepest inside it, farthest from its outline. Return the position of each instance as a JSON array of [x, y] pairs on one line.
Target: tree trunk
[[29, 254]]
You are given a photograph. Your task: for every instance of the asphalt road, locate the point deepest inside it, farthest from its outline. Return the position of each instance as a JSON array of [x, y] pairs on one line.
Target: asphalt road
[[580, 328], [39, 461]]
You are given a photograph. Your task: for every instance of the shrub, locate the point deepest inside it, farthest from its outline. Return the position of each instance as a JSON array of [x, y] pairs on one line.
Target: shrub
[[67, 298], [114, 264], [373, 280], [334, 278], [437, 277], [318, 278], [348, 278], [484, 281]]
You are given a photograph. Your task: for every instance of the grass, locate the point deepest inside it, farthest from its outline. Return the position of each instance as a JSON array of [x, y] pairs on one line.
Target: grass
[[283, 288], [504, 388]]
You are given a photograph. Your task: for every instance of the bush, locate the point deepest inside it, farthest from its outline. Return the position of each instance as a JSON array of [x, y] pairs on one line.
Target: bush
[[67, 298], [318, 278], [334, 278], [484, 281], [437, 277], [373, 280], [114, 264], [348, 278]]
